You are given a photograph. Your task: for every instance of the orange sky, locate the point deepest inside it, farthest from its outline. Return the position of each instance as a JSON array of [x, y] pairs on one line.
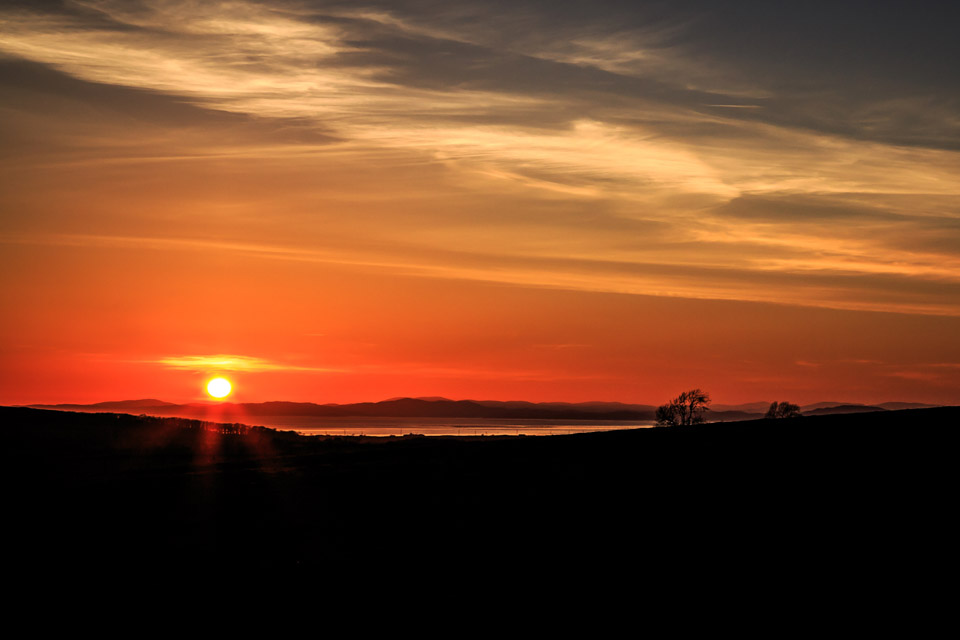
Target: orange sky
[[339, 202]]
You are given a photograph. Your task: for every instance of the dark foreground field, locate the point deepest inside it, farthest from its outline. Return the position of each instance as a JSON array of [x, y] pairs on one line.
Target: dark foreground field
[[848, 493]]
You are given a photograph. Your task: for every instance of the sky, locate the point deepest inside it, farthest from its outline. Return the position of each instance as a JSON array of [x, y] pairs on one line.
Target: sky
[[547, 201]]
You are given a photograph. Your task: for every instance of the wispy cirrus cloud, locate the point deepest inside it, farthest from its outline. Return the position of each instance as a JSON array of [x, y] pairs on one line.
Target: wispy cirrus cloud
[[452, 87], [231, 363], [634, 150], [925, 289]]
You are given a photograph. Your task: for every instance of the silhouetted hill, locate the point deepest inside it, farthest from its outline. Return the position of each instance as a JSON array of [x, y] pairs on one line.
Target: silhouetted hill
[[119, 405], [394, 408], [730, 416], [587, 408], [796, 497], [896, 406], [825, 405], [754, 408], [444, 408], [843, 408], [824, 408]]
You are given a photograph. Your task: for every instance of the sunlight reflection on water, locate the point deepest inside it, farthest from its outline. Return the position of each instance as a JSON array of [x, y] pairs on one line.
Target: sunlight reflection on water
[[307, 425]]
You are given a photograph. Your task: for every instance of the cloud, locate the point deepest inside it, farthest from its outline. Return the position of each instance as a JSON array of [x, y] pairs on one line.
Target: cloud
[[335, 57], [848, 285], [231, 362], [605, 98], [248, 364], [674, 149]]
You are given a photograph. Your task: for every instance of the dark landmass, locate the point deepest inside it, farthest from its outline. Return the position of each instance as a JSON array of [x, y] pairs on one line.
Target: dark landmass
[[710, 415], [843, 408], [591, 408], [444, 408], [823, 405], [758, 408], [896, 406], [893, 406], [148, 403], [865, 494], [393, 408]]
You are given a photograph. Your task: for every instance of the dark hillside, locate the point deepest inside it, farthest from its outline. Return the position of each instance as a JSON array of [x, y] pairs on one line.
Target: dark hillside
[[762, 495]]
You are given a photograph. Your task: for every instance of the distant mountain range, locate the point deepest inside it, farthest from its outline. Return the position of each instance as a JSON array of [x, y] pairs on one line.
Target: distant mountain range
[[445, 408]]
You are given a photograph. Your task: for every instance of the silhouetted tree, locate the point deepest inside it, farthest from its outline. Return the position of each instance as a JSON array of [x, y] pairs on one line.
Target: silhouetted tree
[[667, 415], [687, 408], [783, 410]]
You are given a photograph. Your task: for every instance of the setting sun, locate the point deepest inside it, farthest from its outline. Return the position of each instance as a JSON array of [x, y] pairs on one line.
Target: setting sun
[[219, 387]]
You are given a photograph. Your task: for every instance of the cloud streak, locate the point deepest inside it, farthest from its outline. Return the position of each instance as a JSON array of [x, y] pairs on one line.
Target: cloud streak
[[841, 284], [632, 151], [232, 363]]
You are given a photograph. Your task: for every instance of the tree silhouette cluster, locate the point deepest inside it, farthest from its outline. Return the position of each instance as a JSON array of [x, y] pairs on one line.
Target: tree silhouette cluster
[[783, 410], [687, 408]]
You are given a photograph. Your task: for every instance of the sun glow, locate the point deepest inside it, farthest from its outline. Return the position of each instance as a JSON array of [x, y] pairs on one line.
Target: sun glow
[[219, 387]]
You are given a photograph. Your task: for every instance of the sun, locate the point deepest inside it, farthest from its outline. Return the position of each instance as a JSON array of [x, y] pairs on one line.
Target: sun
[[219, 387]]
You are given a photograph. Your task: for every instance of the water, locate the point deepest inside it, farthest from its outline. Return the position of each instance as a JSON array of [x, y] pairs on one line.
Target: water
[[358, 426], [375, 426]]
